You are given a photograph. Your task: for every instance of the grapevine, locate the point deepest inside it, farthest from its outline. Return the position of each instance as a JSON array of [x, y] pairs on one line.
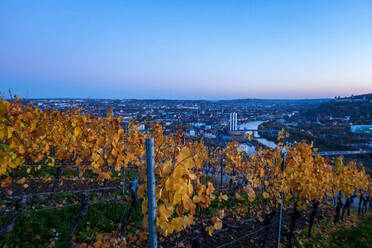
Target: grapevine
[[196, 184]]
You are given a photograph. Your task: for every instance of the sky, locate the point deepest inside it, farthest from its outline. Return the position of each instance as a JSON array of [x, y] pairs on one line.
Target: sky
[[185, 49]]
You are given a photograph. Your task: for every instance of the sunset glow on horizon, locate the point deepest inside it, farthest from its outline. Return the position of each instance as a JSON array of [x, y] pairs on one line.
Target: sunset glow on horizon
[[186, 49]]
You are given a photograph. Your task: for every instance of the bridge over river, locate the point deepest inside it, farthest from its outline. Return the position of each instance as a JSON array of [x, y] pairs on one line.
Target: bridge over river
[[338, 153], [254, 132]]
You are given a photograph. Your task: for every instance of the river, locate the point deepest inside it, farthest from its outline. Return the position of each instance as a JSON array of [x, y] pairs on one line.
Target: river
[[254, 125]]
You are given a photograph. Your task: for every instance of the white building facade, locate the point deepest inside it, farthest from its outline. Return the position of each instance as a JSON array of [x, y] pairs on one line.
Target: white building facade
[[233, 123]]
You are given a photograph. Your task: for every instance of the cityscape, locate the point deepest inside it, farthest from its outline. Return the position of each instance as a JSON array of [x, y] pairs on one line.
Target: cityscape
[[334, 124], [185, 124]]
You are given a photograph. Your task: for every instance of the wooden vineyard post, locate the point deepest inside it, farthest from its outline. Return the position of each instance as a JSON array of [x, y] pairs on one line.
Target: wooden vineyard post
[[19, 205], [125, 148], [58, 178], [280, 213], [84, 201], [123, 180], [150, 162]]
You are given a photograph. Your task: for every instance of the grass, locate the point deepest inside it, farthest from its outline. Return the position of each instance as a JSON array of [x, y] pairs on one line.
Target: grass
[[40, 228], [356, 232]]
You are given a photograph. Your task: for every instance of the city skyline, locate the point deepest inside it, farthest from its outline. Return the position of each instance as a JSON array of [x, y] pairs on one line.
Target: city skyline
[[177, 50]]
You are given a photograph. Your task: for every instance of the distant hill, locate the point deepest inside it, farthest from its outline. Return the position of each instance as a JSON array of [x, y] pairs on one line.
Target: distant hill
[[359, 108], [277, 101], [366, 96], [180, 101]]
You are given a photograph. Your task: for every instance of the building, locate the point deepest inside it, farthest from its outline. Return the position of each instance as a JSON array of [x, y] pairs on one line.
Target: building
[[361, 129], [233, 122], [192, 133]]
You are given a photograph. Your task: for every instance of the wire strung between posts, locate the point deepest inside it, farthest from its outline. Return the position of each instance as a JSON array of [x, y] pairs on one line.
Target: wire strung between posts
[[73, 204], [122, 224], [64, 192], [245, 236], [242, 222]]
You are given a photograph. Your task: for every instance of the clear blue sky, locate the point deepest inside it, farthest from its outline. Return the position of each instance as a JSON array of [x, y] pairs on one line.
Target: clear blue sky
[[186, 49]]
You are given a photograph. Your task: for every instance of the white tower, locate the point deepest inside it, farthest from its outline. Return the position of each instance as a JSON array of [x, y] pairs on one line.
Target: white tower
[[233, 123]]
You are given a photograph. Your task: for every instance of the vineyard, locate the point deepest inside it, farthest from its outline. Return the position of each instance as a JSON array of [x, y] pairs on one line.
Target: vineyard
[[75, 179]]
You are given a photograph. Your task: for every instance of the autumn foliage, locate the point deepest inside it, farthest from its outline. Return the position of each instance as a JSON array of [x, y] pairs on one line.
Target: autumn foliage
[[188, 173]]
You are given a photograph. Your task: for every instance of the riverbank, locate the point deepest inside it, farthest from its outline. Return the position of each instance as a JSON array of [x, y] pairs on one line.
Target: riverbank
[[254, 125]]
